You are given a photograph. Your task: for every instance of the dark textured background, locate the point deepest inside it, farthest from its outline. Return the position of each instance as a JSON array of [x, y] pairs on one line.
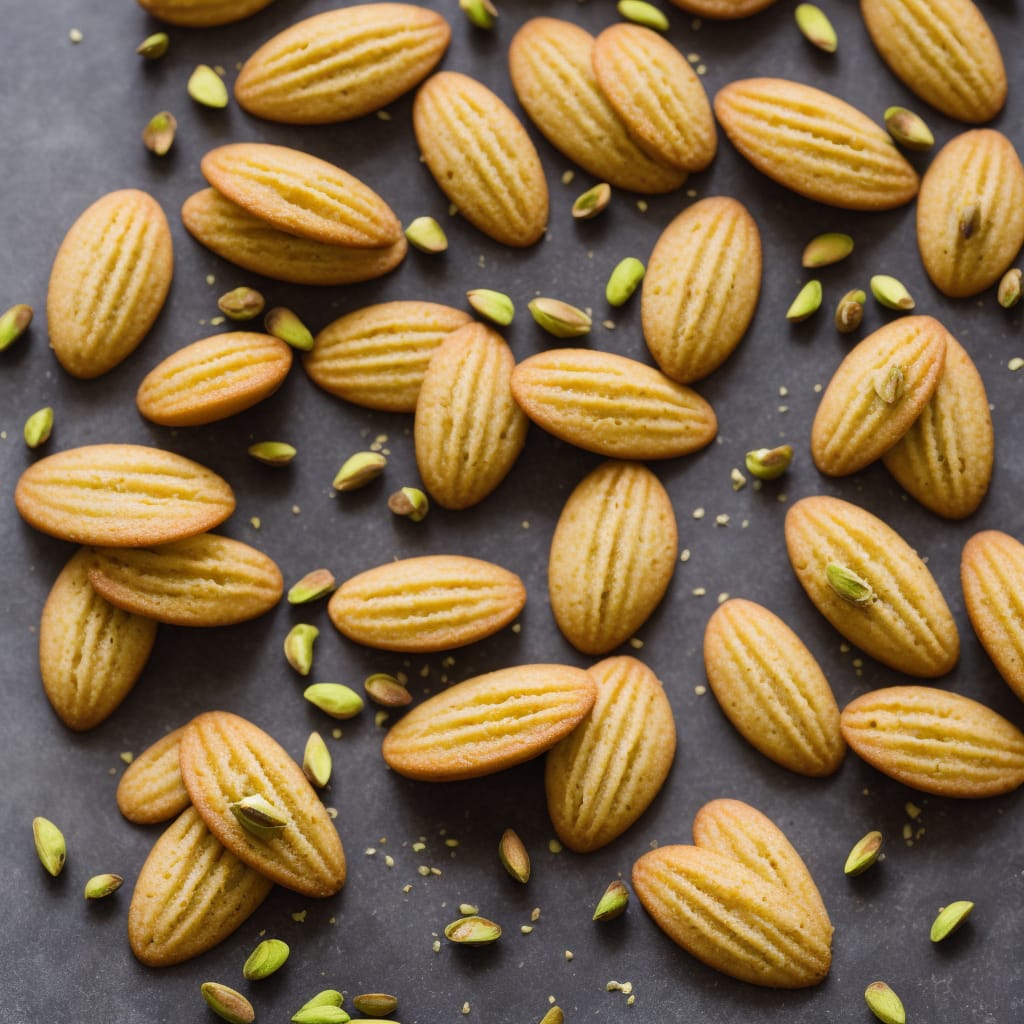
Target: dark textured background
[[70, 118]]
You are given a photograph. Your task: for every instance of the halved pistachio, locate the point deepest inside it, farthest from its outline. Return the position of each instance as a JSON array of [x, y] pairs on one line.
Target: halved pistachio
[[891, 293], [613, 903], [375, 1004], [769, 463], [1010, 288], [358, 470], [850, 311], [427, 235], [13, 324], [38, 427], [514, 857], [884, 1003], [284, 324], [158, 135], [559, 318], [950, 918], [848, 585], [314, 585], [272, 453], [259, 816], [643, 13], [473, 931], [207, 88], [241, 303], [316, 761], [908, 129], [816, 28], [50, 845], [624, 280], [494, 306], [864, 853], [824, 250], [480, 13], [387, 691], [592, 202], [154, 47], [409, 502], [889, 384], [100, 886], [269, 956], [336, 699], [298, 647], [806, 303], [228, 1004]]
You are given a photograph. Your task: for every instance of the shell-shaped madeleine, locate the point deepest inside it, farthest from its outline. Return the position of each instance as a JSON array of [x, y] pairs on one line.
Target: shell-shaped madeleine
[[214, 378], [151, 789], [190, 894], [469, 430], [432, 603], [552, 73], [377, 356], [609, 769], [943, 51], [729, 917], [970, 213], [342, 64], [612, 556], [122, 495], [656, 93], [726, 10], [201, 581], [109, 282], [224, 759], [815, 144], [90, 653], [202, 13], [936, 741], [612, 405], [907, 625], [701, 288], [945, 459], [992, 575], [856, 422], [772, 689], [301, 195], [248, 242], [482, 158], [490, 722]]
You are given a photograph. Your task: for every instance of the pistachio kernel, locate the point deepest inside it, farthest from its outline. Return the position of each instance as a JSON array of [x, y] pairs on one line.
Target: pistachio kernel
[[158, 135], [100, 886], [970, 220], [613, 902], [494, 306], [553, 1016], [38, 427], [358, 470], [259, 816], [155, 46], [559, 318], [950, 918], [272, 453], [425, 234], [316, 761], [864, 853], [891, 293], [816, 28], [207, 88], [298, 647], [375, 1004], [480, 13], [1008, 294], [908, 129], [824, 250], [806, 303], [409, 502], [889, 384], [884, 1003], [284, 324], [848, 585], [228, 1004], [472, 931], [625, 280], [850, 311], [642, 13], [314, 585], [13, 324], [50, 845], [592, 202], [328, 997], [269, 956], [769, 463], [514, 857], [327, 1013], [387, 691], [241, 303], [335, 699]]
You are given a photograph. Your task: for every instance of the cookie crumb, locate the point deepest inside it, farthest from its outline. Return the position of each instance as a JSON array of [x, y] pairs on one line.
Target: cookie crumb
[[554, 846], [567, 177], [127, 756], [641, 205], [299, 916], [739, 481], [636, 643], [75, 35], [568, 954], [698, 513], [684, 555], [1015, 363], [700, 690]]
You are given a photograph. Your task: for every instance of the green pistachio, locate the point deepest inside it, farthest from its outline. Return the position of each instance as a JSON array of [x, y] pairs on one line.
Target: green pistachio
[[850, 311], [848, 585], [613, 903], [427, 235], [387, 691], [314, 585], [358, 470], [472, 931], [50, 845], [1009, 288], [316, 761], [559, 318], [325, 1014], [884, 1003], [769, 463], [272, 453], [298, 647], [284, 324], [807, 303], [642, 13], [38, 427], [328, 997], [891, 293], [625, 280], [494, 306], [863, 854], [592, 202], [514, 857], [336, 700], [158, 135], [13, 324], [824, 250], [269, 956], [154, 47], [259, 816], [908, 129], [375, 1004], [228, 1004], [100, 886], [816, 28], [480, 13], [950, 918], [553, 1016], [207, 88], [241, 303], [889, 384], [409, 502]]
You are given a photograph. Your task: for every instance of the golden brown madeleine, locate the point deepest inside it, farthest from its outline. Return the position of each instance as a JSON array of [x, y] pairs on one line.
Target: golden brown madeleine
[[214, 378], [903, 620], [656, 93], [190, 894], [482, 158], [124, 495], [701, 288], [815, 144], [943, 51], [609, 769], [742, 832], [90, 653], [151, 789], [248, 242], [612, 556], [970, 213], [992, 575], [772, 689], [302, 195], [202, 13], [730, 918], [109, 282], [225, 759], [876, 394], [612, 405], [723, 9], [469, 430], [433, 603], [377, 356], [201, 581], [490, 722], [552, 73], [342, 64], [945, 459], [936, 741]]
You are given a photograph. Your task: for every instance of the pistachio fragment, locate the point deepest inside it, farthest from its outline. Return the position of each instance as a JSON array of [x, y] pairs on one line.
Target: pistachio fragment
[[559, 318], [207, 88], [284, 324], [325, 1014], [358, 470], [769, 463], [335, 699], [850, 311], [409, 502], [375, 1004], [314, 585], [970, 220], [950, 918], [889, 384], [387, 691], [298, 647], [158, 135], [625, 280], [38, 427], [154, 47], [328, 997], [553, 1016], [272, 453], [100, 886], [259, 816], [269, 956], [13, 324], [1009, 289], [848, 585], [613, 903], [425, 234], [592, 202], [884, 1003], [241, 303], [891, 293], [316, 761], [816, 28], [908, 129], [643, 13], [480, 13], [494, 306], [806, 303], [50, 845], [513, 855], [472, 931], [228, 1004], [824, 250], [864, 853]]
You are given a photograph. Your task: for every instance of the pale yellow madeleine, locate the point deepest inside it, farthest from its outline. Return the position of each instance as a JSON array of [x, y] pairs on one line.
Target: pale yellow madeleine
[[202, 13], [151, 789]]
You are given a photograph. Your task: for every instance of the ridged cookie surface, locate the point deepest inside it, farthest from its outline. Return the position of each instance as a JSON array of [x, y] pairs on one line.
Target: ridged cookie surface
[[854, 424], [342, 64], [224, 759], [945, 459], [656, 93], [377, 356], [202, 13], [612, 405], [124, 495], [701, 288], [992, 575], [970, 213], [772, 689], [301, 195], [90, 653], [936, 741], [815, 144], [943, 51], [201, 581], [609, 769], [908, 625], [724, 9], [732, 919], [432, 603], [109, 282], [553, 76], [151, 789], [612, 556], [190, 894], [482, 158], [490, 722], [469, 430]]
